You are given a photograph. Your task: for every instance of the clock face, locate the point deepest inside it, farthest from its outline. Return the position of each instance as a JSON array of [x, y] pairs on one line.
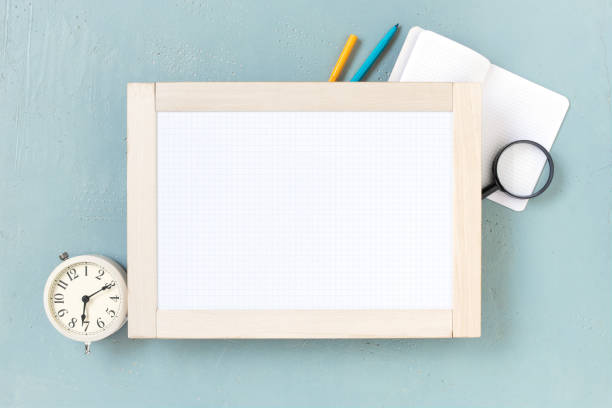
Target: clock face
[[86, 299]]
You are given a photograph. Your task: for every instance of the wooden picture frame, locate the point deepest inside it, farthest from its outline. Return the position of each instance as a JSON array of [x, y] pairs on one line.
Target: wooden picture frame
[[145, 100]]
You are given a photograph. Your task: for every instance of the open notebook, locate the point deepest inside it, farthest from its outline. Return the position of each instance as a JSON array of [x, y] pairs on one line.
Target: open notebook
[[513, 107]]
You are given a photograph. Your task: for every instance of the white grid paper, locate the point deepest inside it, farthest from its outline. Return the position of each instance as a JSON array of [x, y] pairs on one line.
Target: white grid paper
[[304, 210]]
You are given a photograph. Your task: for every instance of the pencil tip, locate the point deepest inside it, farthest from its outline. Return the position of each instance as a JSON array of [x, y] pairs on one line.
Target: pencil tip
[[397, 25]]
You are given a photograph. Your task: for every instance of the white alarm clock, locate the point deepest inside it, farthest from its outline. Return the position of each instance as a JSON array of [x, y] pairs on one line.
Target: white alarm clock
[[85, 298]]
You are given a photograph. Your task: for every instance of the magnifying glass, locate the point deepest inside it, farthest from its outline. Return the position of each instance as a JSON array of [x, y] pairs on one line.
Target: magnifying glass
[[505, 166]]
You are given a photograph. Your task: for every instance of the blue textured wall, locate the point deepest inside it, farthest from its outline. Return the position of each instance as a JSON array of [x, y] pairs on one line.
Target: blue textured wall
[[547, 284]]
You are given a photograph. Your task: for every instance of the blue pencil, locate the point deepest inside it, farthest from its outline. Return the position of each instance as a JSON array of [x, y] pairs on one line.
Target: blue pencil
[[367, 64]]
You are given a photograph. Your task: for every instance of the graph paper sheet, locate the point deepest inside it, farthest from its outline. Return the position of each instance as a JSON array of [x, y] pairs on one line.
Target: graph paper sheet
[[305, 210]]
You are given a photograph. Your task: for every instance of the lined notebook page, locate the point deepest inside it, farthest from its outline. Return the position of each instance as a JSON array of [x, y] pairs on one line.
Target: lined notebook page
[[305, 210]]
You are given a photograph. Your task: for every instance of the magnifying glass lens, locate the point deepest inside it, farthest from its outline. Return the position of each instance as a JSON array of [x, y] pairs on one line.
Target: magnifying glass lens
[[516, 166]]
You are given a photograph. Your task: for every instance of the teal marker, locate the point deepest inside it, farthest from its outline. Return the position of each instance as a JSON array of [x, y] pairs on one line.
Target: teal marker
[[374, 54]]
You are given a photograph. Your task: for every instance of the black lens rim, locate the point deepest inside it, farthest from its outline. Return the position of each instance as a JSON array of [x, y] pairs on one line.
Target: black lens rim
[[549, 160]]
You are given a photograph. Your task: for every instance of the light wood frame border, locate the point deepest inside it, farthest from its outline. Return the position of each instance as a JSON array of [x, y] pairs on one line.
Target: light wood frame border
[[144, 100]]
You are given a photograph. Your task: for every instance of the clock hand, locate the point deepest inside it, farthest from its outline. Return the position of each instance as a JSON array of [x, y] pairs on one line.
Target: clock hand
[[107, 286], [85, 299]]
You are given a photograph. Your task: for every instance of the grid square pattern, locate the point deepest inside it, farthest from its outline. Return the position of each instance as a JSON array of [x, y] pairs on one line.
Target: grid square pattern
[[305, 210]]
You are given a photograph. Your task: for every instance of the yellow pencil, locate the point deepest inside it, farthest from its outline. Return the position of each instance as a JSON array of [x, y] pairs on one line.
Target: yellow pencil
[[346, 51]]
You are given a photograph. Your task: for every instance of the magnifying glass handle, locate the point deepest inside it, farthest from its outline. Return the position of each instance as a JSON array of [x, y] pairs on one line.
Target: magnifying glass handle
[[488, 190]]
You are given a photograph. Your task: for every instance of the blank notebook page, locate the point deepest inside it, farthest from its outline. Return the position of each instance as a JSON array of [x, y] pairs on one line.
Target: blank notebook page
[[437, 59], [305, 210]]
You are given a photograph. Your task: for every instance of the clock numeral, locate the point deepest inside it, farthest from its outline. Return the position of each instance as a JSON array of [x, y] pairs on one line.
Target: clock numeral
[[62, 312], [100, 322], [62, 284], [72, 274], [100, 273], [110, 312], [85, 270], [115, 298], [72, 322], [86, 324], [58, 298]]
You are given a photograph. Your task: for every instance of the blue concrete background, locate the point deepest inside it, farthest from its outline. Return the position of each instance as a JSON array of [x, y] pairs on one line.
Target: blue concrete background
[[547, 310]]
